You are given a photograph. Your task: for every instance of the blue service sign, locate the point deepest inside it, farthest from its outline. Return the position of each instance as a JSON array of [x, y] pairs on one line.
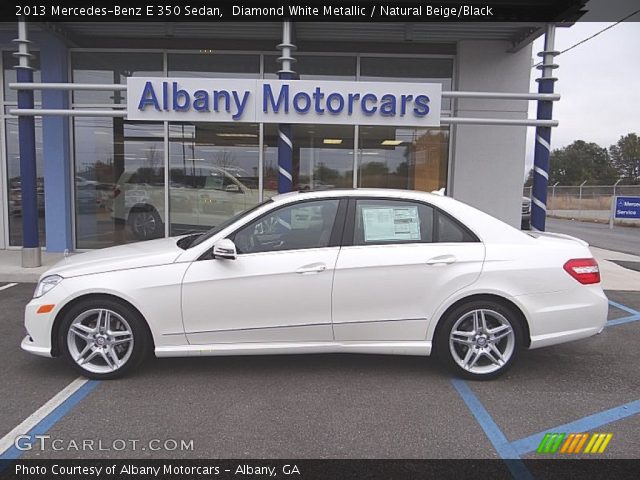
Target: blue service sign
[[627, 207], [283, 101]]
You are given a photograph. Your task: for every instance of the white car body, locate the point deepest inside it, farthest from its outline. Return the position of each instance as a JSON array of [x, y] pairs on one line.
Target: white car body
[[383, 299]]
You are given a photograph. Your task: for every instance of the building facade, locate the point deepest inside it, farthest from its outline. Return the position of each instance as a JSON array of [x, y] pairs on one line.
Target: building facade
[[105, 181]]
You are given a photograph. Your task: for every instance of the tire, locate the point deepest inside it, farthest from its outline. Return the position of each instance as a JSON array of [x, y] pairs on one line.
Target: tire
[[145, 223], [107, 351], [487, 341]]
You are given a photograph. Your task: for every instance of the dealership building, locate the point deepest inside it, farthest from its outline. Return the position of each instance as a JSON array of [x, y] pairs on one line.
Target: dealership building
[[109, 172]]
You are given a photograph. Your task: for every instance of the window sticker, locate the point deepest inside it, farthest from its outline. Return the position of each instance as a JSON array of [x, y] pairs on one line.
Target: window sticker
[[389, 224]]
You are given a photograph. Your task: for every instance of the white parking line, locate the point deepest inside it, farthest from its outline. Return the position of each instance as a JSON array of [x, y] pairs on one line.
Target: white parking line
[[8, 285], [36, 417]]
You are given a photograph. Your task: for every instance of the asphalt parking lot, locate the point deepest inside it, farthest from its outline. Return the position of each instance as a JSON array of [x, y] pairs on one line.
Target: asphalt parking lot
[[331, 406]]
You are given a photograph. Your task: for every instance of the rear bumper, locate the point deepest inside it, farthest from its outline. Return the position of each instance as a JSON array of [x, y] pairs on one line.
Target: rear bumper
[[561, 317]]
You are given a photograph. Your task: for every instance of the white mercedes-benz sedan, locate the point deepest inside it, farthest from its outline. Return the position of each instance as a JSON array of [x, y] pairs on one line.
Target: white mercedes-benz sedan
[[359, 271]]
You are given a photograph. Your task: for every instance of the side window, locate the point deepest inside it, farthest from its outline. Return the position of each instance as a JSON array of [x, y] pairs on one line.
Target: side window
[[298, 226], [450, 231], [392, 221]]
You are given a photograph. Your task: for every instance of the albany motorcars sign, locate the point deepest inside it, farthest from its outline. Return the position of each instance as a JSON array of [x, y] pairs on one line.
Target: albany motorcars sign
[[283, 101]]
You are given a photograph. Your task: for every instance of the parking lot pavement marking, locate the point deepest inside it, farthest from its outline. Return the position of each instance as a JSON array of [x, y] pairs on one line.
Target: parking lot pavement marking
[[8, 285], [620, 321], [530, 443], [492, 431], [40, 421], [623, 307]]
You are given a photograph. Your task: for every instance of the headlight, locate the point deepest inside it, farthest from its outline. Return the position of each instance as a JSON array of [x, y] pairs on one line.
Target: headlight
[[46, 284]]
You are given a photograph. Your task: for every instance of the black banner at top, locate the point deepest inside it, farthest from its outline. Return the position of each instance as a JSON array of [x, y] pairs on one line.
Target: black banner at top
[[316, 10]]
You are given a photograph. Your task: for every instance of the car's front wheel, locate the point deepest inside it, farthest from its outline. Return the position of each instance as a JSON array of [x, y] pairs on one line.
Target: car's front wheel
[[103, 338], [479, 340]]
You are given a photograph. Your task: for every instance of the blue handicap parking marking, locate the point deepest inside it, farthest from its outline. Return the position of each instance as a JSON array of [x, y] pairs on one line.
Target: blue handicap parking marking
[[635, 315]]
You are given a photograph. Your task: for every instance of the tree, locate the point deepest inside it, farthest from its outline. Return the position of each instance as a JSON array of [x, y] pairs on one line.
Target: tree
[[581, 161], [625, 155]]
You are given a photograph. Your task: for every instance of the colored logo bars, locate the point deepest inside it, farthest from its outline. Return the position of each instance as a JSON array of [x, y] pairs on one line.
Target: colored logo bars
[[573, 443]]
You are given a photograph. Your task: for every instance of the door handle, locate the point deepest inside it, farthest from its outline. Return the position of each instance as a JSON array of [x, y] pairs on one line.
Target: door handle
[[442, 260], [316, 268]]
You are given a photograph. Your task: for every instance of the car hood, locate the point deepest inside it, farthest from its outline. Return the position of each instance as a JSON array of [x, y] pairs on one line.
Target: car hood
[[135, 255]]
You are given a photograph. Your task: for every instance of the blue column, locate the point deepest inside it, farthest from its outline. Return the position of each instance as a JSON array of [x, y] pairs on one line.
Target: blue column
[[285, 151], [56, 149], [543, 135], [28, 177]]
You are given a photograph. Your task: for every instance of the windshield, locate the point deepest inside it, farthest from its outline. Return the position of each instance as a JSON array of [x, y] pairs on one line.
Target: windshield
[[218, 228]]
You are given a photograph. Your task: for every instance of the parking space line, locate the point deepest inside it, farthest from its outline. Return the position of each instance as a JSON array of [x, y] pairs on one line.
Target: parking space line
[[623, 307], [492, 431], [620, 321], [8, 285], [530, 443], [40, 421]]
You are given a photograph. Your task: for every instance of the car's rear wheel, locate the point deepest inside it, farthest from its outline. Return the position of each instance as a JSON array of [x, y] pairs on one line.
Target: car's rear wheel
[[479, 340], [103, 338], [145, 223]]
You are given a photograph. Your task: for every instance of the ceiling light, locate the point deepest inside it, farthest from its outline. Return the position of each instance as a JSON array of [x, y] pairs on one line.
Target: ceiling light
[[391, 142], [332, 141], [237, 135]]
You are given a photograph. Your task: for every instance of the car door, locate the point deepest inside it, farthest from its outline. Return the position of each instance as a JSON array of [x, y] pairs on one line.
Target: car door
[[400, 259], [278, 289]]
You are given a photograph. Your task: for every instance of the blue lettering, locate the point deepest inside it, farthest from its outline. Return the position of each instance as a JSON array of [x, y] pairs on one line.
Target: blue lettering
[[388, 106], [165, 96], [201, 101], [148, 97], [296, 102], [422, 108], [363, 103], [317, 96], [240, 104], [403, 103], [352, 98], [177, 96], [216, 100], [283, 97], [331, 98]]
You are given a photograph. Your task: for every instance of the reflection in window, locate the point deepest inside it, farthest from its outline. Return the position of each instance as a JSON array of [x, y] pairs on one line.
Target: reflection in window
[[213, 65], [298, 226], [403, 157], [322, 157], [315, 67], [109, 68], [119, 181], [14, 192], [213, 173], [8, 65], [400, 69]]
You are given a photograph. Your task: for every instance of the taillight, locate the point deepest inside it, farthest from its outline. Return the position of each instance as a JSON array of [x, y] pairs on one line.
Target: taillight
[[116, 191], [584, 270]]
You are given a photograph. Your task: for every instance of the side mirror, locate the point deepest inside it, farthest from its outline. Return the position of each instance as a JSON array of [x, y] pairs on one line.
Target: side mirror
[[225, 248]]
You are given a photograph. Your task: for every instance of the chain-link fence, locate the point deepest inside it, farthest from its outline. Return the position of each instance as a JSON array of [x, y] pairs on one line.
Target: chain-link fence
[[589, 202]]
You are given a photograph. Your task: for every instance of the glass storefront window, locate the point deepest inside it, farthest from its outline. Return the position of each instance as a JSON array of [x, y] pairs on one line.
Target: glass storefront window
[[119, 181], [315, 67], [402, 157], [322, 157], [213, 173], [213, 65], [8, 65], [109, 68], [401, 69], [14, 192]]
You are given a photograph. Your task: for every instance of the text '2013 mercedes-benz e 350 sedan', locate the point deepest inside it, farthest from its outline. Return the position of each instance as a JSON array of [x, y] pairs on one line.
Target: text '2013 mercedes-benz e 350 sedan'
[[359, 271]]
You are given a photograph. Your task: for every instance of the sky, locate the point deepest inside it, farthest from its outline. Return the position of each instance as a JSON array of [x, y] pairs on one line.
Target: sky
[[599, 84]]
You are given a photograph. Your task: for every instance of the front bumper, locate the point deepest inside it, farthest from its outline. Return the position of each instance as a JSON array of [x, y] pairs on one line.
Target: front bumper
[[28, 345]]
